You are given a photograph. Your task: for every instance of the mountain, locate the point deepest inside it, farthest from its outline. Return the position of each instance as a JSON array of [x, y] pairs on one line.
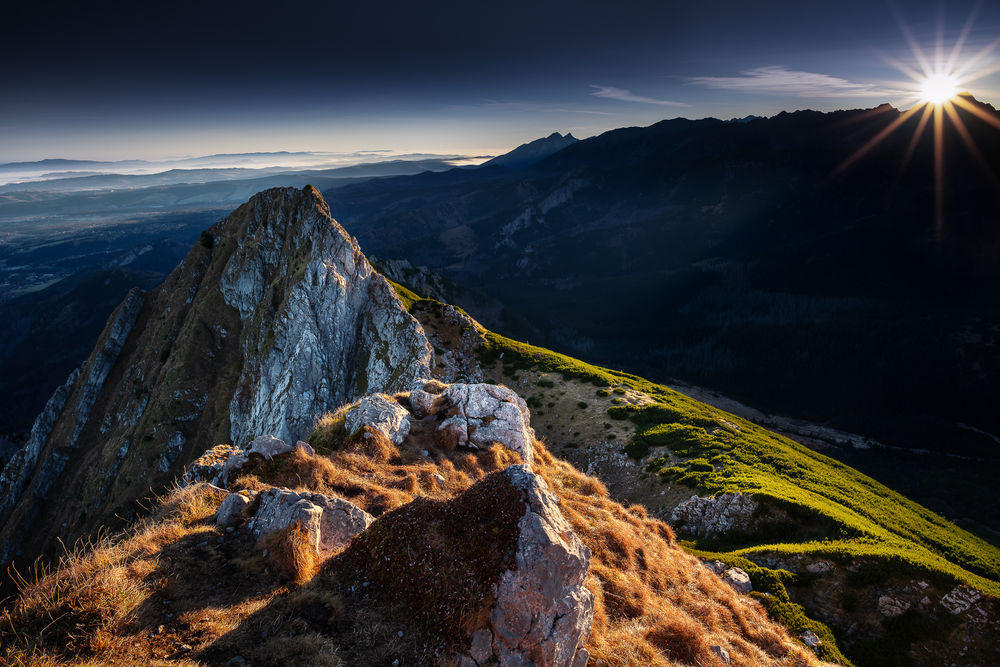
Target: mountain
[[528, 154], [345, 472], [273, 317], [747, 258]]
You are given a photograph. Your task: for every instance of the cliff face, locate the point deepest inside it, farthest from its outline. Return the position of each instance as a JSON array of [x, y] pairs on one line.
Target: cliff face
[[272, 319]]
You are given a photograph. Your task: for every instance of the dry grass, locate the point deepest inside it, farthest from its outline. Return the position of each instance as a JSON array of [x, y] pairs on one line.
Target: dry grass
[[291, 554], [654, 604]]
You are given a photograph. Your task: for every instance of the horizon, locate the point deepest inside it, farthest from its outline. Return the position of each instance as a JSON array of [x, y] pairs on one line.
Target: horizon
[[112, 83]]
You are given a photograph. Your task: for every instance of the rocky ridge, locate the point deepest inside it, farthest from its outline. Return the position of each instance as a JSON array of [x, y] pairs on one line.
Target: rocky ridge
[[273, 318]]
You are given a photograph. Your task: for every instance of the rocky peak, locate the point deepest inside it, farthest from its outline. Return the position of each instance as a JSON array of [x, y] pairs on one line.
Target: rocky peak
[[273, 318]]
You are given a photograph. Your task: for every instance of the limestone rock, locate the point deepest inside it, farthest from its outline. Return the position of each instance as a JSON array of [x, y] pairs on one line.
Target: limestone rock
[[482, 646], [268, 446], [890, 606], [543, 612], [306, 447], [215, 466], [720, 652], [330, 522], [819, 567], [423, 403], [810, 639], [960, 599], [703, 516], [232, 511], [738, 579], [381, 412], [487, 413]]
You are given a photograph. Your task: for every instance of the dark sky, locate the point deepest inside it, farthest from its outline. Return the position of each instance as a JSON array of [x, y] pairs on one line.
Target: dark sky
[[116, 79]]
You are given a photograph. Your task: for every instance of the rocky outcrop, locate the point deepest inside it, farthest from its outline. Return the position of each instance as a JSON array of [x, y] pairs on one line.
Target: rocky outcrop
[[380, 412], [724, 513], [330, 522], [738, 579], [274, 318], [480, 414], [233, 510], [543, 612], [215, 466]]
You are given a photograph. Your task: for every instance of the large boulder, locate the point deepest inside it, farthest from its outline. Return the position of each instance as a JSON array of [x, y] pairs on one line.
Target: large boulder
[[381, 412], [268, 446], [233, 510], [330, 522], [481, 414], [543, 612]]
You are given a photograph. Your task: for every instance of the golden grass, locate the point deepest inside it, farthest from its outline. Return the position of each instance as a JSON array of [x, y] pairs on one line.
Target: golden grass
[[654, 604]]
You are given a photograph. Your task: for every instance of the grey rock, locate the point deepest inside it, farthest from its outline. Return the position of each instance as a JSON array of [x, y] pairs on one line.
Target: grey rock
[[423, 403], [820, 567], [306, 447], [268, 446], [381, 412], [482, 646], [216, 466], [488, 413], [738, 579], [960, 599], [330, 522], [582, 657], [720, 652], [340, 331], [543, 612], [232, 510], [810, 639], [891, 606], [711, 515]]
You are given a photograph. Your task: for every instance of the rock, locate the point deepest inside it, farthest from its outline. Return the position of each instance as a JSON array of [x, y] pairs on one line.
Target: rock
[[820, 567], [488, 413], [960, 599], [340, 330], [582, 657], [890, 606], [720, 653], [543, 612], [306, 447], [704, 516], [232, 511], [738, 579], [716, 566], [215, 466], [810, 639], [381, 412], [268, 446], [482, 646], [423, 403], [330, 522]]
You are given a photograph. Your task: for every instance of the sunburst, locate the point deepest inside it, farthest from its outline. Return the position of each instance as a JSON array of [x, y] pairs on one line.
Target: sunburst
[[936, 88]]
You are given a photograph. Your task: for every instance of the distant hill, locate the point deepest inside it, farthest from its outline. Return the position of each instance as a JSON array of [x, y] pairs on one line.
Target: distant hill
[[528, 154]]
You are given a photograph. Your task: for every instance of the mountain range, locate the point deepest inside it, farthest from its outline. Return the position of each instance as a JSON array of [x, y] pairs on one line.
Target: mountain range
[[278, 456]]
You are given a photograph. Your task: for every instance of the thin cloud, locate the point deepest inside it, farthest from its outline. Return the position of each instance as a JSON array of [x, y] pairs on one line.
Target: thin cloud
[[528, 107], [781, 80], [612, 93]]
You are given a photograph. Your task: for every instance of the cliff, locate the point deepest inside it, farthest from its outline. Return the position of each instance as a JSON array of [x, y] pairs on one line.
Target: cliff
[[272, 319]]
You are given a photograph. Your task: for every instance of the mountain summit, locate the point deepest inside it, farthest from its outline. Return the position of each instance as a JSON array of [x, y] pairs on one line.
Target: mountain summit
[[272, 319], [528, 154]]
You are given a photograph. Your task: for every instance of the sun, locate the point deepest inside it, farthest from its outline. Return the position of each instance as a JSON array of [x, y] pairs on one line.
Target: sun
[[938, 88]]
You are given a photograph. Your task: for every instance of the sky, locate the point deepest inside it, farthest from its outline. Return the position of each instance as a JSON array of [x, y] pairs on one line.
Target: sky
[[113, 80]]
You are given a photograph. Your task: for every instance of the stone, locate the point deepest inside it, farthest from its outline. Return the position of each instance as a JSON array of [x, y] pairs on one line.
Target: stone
[[716, 566], [268, 446], [582, 657], [482, 646], [810, 639], [232, 510], [482, 414], [720, 652], [381, 412], [960, 599], [890, 606], [820, 567], [330, 522], [543, 612], [738, 579], [714, 515], [306, 447], [423, 403], [215, 466]]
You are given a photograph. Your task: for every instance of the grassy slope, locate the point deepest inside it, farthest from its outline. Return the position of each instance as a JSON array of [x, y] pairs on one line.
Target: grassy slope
[[725, 453]]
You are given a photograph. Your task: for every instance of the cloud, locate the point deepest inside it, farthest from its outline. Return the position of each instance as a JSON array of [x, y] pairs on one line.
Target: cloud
[[528, 107], [781, 80], [612, 93]]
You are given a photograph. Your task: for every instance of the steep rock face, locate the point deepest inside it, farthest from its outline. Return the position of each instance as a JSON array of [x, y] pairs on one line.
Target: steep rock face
[[274, 317]]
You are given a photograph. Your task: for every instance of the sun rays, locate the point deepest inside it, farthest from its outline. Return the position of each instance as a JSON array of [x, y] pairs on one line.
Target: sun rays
[[937, 90]]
